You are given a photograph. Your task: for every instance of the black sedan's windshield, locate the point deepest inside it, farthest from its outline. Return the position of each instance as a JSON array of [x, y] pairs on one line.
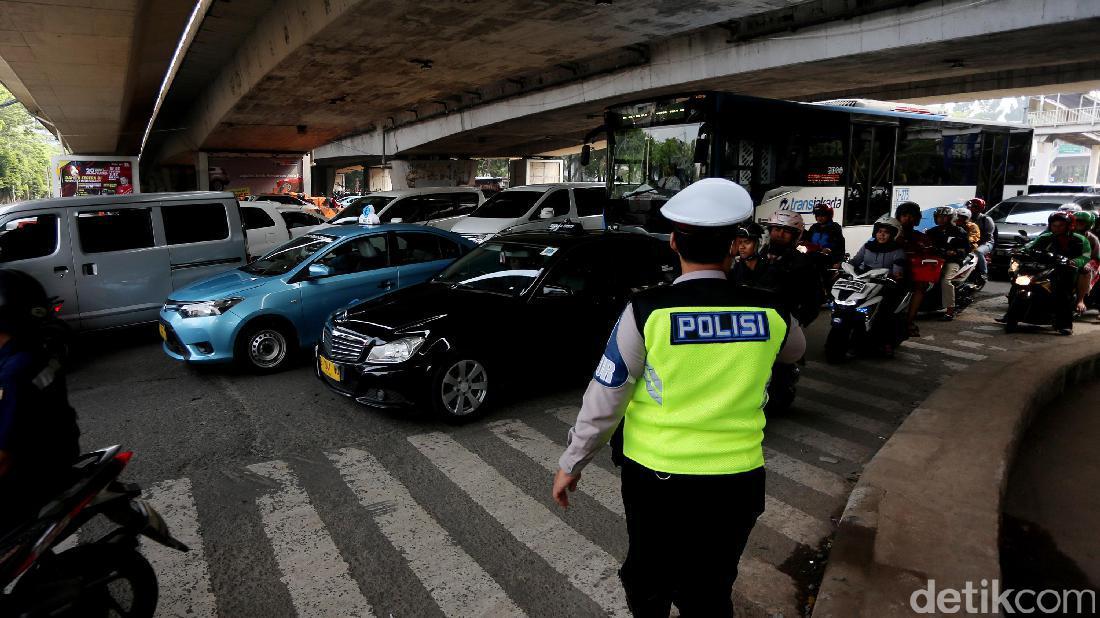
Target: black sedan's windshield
[[504, 268], [507, 205], [357, 207], [288, 256]]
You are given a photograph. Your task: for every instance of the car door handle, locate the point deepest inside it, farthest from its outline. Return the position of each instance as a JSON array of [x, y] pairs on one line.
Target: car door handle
[[61, 271], [91, 268], [386, 285]]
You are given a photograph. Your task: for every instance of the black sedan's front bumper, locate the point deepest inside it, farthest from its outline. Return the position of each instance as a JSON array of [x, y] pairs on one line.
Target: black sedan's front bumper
[[400, 385]]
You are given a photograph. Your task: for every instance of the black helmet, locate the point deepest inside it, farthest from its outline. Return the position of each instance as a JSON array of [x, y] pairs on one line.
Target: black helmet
[[23, 302], [749, 229], [908, 208]]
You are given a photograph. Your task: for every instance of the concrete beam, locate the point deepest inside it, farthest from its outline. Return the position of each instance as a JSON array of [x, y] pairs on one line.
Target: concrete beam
[[918, 43]]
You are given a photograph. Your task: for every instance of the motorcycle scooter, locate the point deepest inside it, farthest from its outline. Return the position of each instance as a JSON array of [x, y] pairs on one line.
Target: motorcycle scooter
[[101, 577], [1031, 297], [857, 309]]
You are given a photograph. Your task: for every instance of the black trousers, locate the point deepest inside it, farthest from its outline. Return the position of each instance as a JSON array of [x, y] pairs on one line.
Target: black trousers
[[686, 533], [1065, 295]]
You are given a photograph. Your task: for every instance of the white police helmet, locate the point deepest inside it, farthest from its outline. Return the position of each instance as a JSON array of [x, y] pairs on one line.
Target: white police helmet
[[710, 202]]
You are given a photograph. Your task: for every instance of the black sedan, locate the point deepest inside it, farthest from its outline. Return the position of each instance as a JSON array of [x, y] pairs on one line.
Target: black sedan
[[522, 307]]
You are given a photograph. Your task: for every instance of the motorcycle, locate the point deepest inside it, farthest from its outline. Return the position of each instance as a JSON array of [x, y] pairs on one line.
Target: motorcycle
[[967, 284], [858, 311], [90, 578], [1031, 298], [782, 388]]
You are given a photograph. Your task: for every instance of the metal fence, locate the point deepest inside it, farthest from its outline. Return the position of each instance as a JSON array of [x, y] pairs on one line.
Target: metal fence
[[1058, 117]]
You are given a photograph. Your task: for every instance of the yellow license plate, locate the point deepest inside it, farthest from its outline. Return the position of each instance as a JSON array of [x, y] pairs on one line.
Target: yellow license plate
[[163, 333], [329, 368]]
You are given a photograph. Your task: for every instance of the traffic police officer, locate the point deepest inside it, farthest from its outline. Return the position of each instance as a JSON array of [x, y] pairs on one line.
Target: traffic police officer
[[688, 366]]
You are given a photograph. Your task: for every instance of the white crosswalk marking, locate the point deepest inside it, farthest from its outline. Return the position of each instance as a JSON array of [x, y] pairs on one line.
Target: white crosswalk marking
[[805, 474], [837, 447], [899, 368], [843, 417], [872, 379], [909, 357], [945, 351], [988, 327], [184, 577], [598, 483], [850, 394], [973, 345], [954, 366], [793, 523], [315, 574], [588, 567], [456, 582], [975, 335]]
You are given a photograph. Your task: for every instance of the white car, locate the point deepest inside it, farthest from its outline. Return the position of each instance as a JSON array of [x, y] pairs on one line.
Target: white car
[[438, 207], [536, 207], [347, 200], [270, 224]]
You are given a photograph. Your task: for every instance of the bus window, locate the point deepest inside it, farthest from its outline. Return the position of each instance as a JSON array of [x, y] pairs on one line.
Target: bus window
[[655, 162], [920, 155], [961, 153], [871, 173]]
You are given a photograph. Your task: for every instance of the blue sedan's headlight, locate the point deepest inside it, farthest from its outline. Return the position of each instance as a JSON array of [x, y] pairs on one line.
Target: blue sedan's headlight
[[207, 308]]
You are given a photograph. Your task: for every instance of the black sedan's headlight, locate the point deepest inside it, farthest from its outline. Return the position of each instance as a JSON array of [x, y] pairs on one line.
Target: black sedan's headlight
[[396, 351]]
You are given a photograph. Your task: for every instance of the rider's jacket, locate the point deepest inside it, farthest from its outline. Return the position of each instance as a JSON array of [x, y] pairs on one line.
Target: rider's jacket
[[1073, 246], [827, 235], [872, 255], [950, 237], [797, 282]]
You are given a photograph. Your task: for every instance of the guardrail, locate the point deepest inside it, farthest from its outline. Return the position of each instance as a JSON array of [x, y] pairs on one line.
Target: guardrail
[[1057, 117]]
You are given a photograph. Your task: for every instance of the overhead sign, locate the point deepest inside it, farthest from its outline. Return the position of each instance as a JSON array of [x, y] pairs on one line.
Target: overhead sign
[[75, 175]]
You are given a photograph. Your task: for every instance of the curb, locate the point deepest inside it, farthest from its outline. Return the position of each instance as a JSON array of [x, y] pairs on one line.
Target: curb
[[928, 505]]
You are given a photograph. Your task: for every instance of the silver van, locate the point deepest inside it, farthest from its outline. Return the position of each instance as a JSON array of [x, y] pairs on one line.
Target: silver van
[[111, 260]]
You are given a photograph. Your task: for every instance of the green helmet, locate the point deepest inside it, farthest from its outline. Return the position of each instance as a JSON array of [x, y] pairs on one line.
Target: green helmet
[[1089, 218]]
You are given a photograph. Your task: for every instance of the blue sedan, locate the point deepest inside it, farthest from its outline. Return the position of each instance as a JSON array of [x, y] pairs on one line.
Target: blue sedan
[[260, 314]]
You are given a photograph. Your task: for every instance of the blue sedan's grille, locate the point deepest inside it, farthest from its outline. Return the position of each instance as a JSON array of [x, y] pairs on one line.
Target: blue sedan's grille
[[343, 344]]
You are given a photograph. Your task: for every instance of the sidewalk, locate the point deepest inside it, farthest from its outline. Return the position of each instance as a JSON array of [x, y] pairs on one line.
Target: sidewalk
[[1051, 503]]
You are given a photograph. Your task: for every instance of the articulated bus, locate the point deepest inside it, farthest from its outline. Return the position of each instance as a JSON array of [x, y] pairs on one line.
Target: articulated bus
[[861, 157]]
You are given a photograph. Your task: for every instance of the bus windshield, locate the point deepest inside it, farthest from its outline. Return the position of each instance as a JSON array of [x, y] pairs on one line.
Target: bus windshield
[[655, 162]]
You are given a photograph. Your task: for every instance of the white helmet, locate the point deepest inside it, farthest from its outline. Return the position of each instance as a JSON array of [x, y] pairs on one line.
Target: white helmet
[[786, 218], [1071, 207], [890, 222], [963, 212], [710, 202]]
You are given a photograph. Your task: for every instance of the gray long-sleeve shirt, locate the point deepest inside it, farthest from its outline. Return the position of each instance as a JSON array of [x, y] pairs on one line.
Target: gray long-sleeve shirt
[[604, 406]]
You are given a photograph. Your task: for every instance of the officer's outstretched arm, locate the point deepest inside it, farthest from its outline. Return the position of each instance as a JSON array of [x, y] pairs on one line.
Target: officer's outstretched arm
[[608, 393]]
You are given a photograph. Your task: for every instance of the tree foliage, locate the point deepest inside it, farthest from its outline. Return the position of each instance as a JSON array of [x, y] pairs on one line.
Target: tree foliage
[[25, 151]]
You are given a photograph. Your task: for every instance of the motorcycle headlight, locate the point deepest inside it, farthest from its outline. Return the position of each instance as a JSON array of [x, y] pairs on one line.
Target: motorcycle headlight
[[1013, 266], [396, 351], [208, 308], [1023, 280]]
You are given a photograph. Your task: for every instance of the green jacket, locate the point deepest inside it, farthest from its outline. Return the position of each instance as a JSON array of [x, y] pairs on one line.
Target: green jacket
[[1078, 248]]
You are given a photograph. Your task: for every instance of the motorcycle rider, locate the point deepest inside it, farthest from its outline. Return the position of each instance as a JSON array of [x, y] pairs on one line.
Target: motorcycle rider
[[883, 251], [748, 267], [987, 234], [916, 244], [1083, 221], [973, 232], [799, 282], [953, 243], [1060, 240], [39, 438], [826, 233]]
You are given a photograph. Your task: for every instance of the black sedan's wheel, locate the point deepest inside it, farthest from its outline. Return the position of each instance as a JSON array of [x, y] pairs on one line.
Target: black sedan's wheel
[[460, 389], [265, 348]]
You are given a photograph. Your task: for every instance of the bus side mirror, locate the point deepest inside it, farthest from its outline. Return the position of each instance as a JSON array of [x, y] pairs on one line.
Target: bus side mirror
[[702, 150], [586, 154]]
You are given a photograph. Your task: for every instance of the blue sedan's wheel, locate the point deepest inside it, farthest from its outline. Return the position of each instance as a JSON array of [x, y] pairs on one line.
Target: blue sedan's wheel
[[265, 348], [461, 388]]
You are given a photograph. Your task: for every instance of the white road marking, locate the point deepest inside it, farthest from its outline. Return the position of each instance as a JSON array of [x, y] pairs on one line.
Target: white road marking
[[588, 567], [973, 345], [851, 419], [832, 445], [909, 357], [566, 415], [849, 394], [604, 487], [988, 327], [315, 574], [945, 351], [805, 474], [184, 576], [899, 368], [456, 582], [765, 586], [835, 375], [598, 483], [952, 365], [975, 335]]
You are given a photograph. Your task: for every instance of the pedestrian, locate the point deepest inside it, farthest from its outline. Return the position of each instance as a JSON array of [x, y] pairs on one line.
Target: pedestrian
[[687, 366]]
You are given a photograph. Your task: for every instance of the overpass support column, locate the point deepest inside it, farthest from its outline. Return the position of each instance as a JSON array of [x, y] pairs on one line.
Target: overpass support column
[[202, 171], [1094, 165], [1040, 167]]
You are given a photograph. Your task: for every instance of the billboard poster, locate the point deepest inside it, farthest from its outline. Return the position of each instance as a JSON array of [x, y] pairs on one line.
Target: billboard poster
[[77, 176], [252, 175]]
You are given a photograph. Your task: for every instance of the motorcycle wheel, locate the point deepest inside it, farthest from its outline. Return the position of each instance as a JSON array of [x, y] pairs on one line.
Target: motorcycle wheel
[[837, 343], [97, 580]]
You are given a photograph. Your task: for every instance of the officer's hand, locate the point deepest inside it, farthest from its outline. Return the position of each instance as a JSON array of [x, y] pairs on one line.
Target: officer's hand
[[563, 481]]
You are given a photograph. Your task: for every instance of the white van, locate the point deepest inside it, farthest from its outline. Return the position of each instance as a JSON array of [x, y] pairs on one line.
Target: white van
[[535, 207], [111, 260], [435, 206]]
